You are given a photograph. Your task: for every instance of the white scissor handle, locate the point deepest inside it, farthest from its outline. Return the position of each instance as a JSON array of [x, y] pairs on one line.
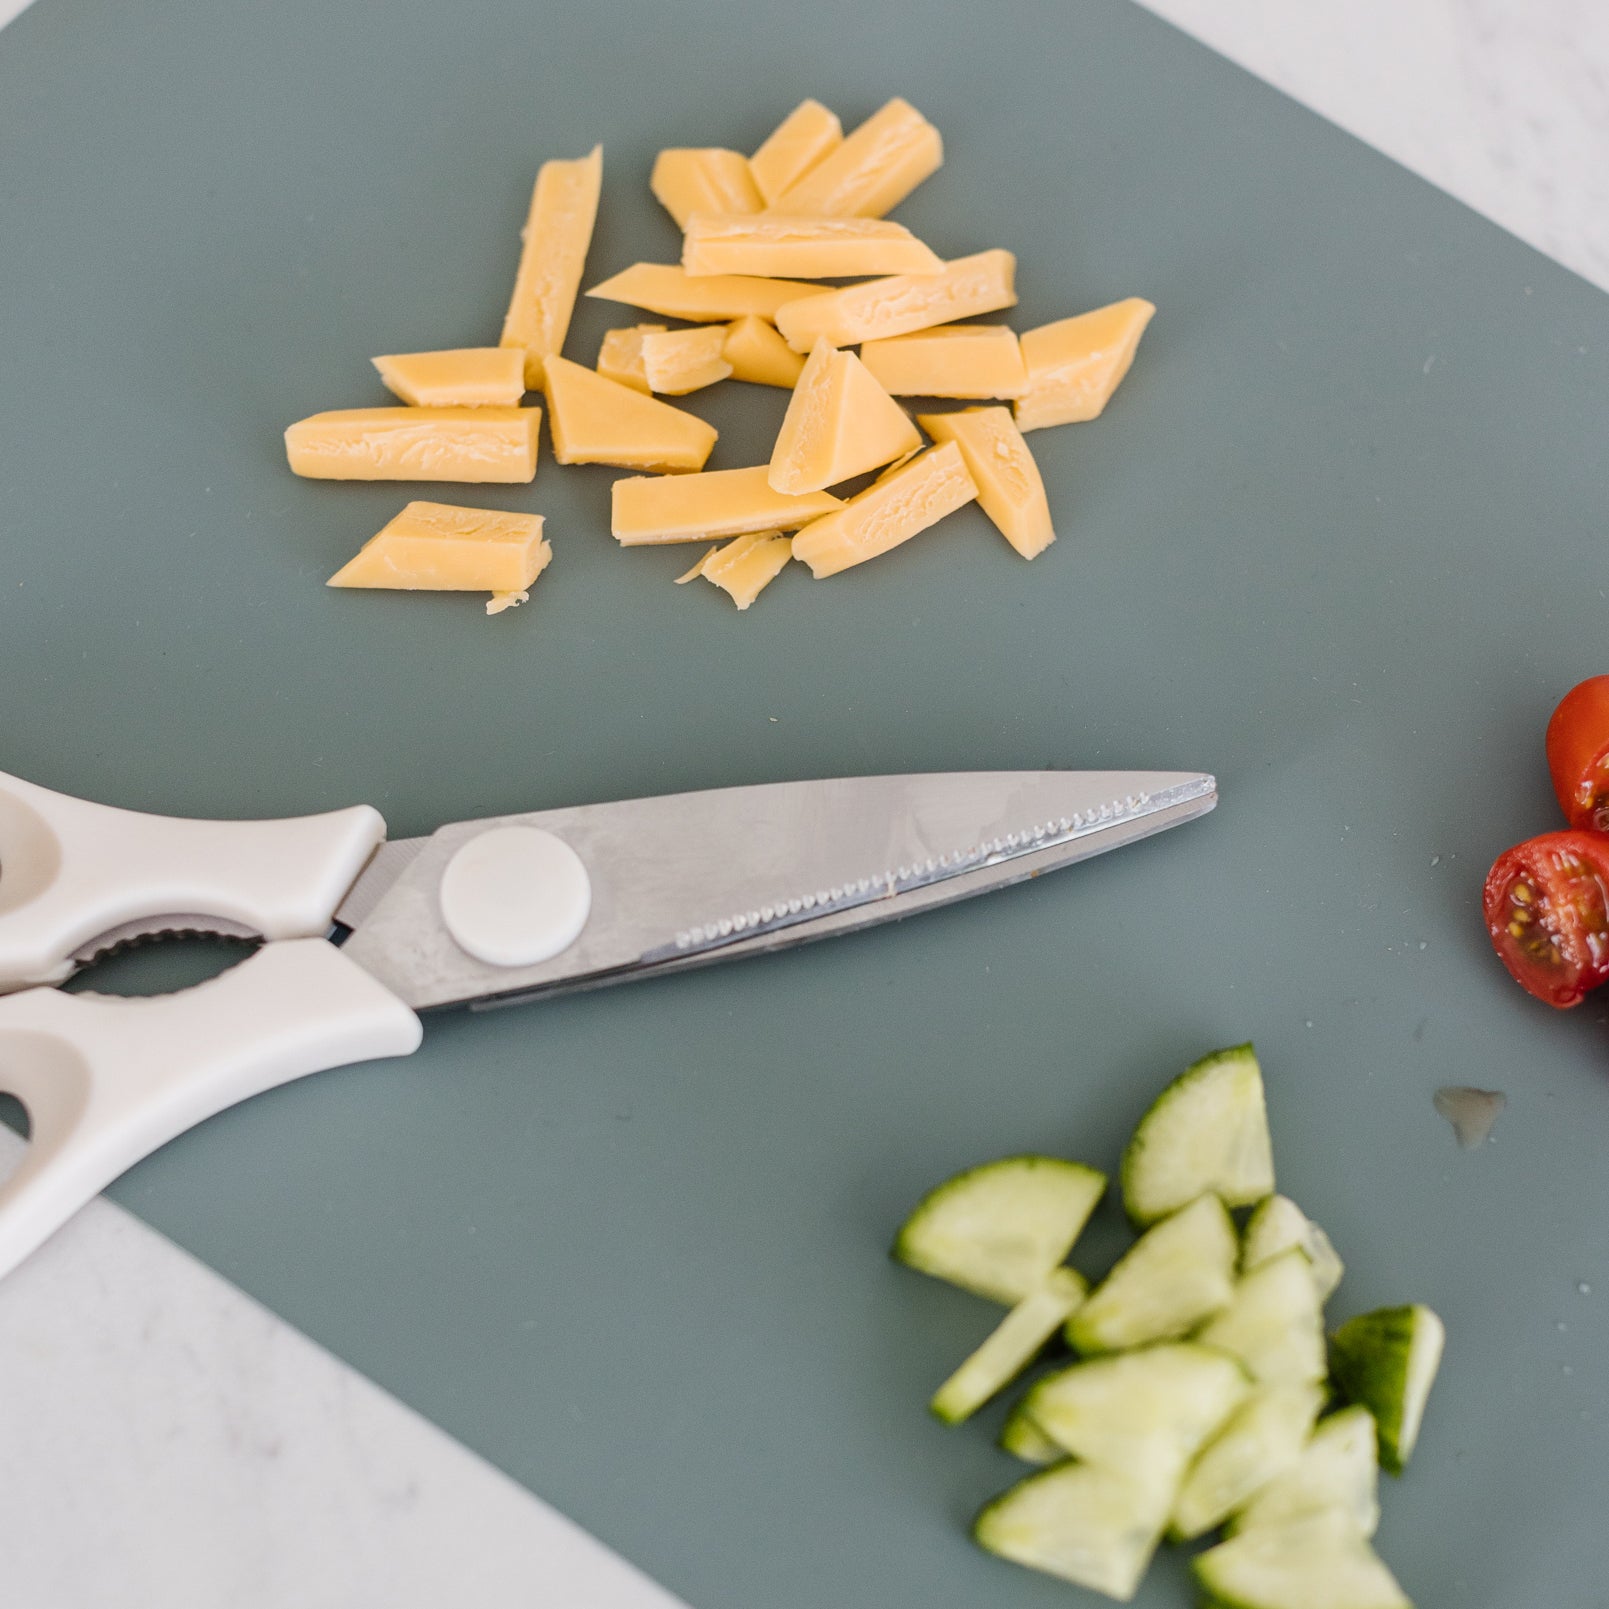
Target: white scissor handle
[[71, 871], [108, 1080]]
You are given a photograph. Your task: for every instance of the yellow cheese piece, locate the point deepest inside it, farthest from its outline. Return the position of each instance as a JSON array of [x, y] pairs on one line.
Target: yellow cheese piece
[[820, 248], [463, 444], [885, 307], [470, 377], [758, 354], [807, 134], [679, 361], [892, 511], [499, 601], [558, 231], [953, 360], [839, 423], [872, 171], [620, 356], [670, 290], [596, 421], [437, 547], [650, 509], [1075, 365], [715, 181], [745, 566], [1010, 490]]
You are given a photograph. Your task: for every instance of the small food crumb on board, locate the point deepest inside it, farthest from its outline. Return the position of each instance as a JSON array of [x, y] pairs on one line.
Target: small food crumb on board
[[1472, 1112]]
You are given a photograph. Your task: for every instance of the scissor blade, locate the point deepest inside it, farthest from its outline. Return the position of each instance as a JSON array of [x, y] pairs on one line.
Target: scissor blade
[[686, 879]]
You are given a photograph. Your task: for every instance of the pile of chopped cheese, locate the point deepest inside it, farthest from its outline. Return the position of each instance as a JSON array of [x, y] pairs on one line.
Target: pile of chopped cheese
[[759, 235]]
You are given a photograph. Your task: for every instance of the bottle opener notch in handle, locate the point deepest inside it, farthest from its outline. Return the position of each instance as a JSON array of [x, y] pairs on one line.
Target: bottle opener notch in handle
[[71, 871], [107, 1080]]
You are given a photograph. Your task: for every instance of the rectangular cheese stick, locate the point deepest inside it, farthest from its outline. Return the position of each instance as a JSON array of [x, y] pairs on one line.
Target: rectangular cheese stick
[[596, 421], [890, 511], [650, 509], [438, 547], [951, 360], [745, 566], [558, 231], [1010, 490], [468, 377], [759, 355], [675, 362], [620, 356], [983, 283], [807, 134], [1076, 364], [711, 180], [872, 171], [668, 289], [816, 248], [460, 444]]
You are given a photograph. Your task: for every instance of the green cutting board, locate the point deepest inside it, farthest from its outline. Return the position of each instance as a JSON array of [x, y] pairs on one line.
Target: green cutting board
[[1340, 539]]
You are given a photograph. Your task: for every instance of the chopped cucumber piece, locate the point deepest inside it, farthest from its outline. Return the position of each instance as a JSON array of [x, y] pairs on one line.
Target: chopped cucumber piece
[[1015, 1343], [1177, 1273], [1208, 1130], [1338, 1470], [1276, 1226], [999, 1229], [1274, 1323], [1315, 1563], [1263, 1439], [1386, 1361], [1147, 1412], [1023, 1439], [1093, 1526]]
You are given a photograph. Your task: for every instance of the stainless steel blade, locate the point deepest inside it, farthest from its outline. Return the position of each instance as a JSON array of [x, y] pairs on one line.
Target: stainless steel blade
[[686, 879]]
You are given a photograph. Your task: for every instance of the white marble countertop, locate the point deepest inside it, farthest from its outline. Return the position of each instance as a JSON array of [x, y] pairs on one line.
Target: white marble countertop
[[172, 1445]]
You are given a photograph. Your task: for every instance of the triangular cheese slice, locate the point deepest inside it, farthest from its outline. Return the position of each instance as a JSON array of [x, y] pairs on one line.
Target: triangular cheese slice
[[758, 354], [1076, 364], [839, 423], [999, 462], [597, 421]]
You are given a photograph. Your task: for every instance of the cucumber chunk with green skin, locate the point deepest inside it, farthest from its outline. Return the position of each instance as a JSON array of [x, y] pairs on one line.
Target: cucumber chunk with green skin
[[1179, 1272], [1386, 1361], [998, 1230], [1277, 1225], [1263, 1439], [1208, 1130], [1087, 1524], [1015, 1342], [1315, 1563], [1023, 1439], [1338, 1470], [1274, 1323], [1147, 1412]]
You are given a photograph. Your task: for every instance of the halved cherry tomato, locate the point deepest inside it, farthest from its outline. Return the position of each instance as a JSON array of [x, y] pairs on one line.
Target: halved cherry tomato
[[1578, 754], [1547, 910]]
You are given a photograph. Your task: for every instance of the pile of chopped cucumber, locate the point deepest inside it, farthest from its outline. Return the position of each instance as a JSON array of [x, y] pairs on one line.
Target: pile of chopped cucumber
[[1204, 1394]]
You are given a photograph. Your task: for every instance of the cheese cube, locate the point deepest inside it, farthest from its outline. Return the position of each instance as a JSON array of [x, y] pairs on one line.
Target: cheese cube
[[1010, 490], [437, 547], [679, 361], [807, 134], [461, 444], [712, 180], [886, 307], [759, 355], [1075, 365], [468, 377], [839, 423], [620, 356], [892, 511], [745, 567], [872, 171], [596, 421], [558, 231], [952, 360], [670, 290], [651, 509], [819, 248]]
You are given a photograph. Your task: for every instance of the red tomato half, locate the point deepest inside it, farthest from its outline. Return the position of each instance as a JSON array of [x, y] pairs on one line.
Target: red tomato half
[[1578, 754], [1547, 910]]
